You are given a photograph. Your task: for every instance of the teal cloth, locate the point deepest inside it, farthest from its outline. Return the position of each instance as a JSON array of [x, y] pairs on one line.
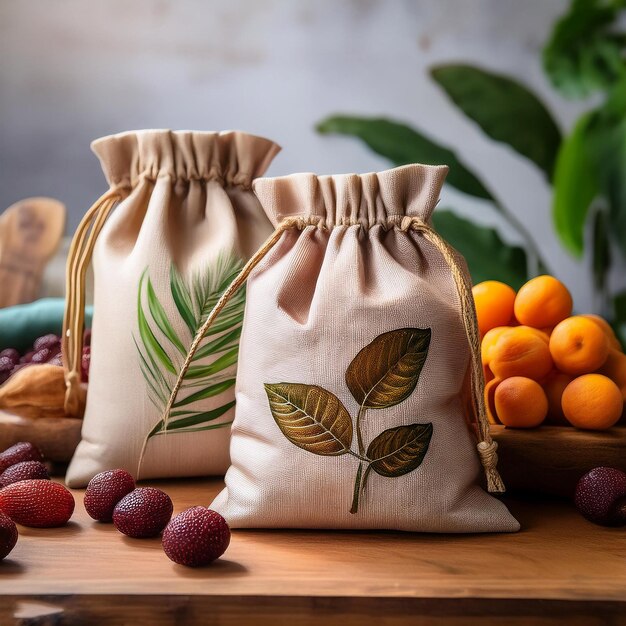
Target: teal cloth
[[20, 325]]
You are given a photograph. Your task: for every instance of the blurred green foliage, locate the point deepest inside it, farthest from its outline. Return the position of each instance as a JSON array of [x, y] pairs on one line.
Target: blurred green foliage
[[585, 55]]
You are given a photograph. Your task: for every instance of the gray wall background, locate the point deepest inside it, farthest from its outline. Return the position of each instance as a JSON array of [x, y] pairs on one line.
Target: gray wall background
[[71, 71]]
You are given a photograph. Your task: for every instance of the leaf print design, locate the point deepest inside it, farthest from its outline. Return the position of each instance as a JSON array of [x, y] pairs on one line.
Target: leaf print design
[[400, 450], [386, 371], [382, 375], [162, 349], [311, 418]]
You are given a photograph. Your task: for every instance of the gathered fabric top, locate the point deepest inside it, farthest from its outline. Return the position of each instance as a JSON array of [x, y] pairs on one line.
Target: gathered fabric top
[[346, 199], [233, 158]]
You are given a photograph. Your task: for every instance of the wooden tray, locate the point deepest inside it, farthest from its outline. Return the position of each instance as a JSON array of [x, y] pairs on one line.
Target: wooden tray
[[57, 438], [551, 459]]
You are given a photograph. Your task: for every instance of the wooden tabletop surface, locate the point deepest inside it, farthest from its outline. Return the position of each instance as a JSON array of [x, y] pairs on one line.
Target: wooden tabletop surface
[[558, 564]]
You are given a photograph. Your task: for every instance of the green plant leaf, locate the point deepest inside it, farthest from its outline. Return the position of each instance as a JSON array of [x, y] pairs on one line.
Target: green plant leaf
[[160, 318], [575, 187], [398, 451], [488, 257], [204, 371], [505, 110], [193, 419], [619, 317], [385, 372], [601, 257], [585, 51], [401, 144], [182, 299], [148, 338], [199, 428], [606, 138], [206, 392], [311, 418], [224, 342], [193, 301]]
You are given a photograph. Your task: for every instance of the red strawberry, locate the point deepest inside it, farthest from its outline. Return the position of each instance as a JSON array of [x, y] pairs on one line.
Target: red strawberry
[[196, 537], [104, 491], [37, 503], [23, 471], [22, 451], [8, 535], [144, 512]]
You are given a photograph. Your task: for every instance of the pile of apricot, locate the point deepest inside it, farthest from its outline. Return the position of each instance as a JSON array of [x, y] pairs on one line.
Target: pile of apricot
[[543, 364]]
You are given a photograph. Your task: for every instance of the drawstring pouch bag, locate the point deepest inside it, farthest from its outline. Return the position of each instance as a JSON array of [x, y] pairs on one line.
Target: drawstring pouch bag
[[360, 387], [177, 224]]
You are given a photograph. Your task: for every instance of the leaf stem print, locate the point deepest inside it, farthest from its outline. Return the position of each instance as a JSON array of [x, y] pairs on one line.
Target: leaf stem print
[[383, 374], [161, 349]]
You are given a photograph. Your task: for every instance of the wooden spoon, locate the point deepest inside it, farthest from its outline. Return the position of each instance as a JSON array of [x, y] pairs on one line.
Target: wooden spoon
[[30, 234]]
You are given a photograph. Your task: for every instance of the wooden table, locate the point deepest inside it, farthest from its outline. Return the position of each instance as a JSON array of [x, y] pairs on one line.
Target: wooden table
[[559, 567]]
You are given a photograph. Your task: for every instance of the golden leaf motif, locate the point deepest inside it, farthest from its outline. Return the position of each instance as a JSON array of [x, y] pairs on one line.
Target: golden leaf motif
[[386, 371], [311, 418], [400, 450]]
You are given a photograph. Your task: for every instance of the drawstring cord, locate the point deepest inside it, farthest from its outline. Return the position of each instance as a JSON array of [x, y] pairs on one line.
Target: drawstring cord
[[487, 448], [79, 257]]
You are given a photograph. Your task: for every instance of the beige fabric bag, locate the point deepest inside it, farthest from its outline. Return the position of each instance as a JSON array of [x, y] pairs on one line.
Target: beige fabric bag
[[185, 223], [355, 377]]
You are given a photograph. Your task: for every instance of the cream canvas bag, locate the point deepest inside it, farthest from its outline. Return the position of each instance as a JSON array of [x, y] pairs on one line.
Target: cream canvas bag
[[359, 388], [184, 222]]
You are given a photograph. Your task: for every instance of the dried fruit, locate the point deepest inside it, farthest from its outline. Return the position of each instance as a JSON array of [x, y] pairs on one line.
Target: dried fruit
[[26, 470], [21, 451], [11, 353], [144, 512], [601, 496], [104, 491], [50, 341], [35, 391], [8, 535], [196, 537], [84, 364], [37, 503]]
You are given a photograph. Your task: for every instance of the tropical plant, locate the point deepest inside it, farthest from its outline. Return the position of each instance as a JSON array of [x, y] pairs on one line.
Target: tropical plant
[[585, 54], [162, 350]]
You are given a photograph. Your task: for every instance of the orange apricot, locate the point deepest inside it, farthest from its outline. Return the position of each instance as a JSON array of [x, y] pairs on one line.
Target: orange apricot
[[615, 368], [542, 302], [520, 402], [592, 402], [494, 304], [519, 352], [489, 343], [578, 346]]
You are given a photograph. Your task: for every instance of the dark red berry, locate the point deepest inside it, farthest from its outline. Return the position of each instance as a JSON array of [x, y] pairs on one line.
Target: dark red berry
[[12, 354], [87, 337], [144, 512], [601, 496], [50, 342], [37, 503], [196, 537], [84, 364], [26, 470], [22, 451], [6, 367], [42, 356], [8, 535], [57, 359], [104, 491]]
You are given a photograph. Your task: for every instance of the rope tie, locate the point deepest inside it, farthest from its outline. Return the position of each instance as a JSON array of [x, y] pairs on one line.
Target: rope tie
[[486, 446], [79, 257]]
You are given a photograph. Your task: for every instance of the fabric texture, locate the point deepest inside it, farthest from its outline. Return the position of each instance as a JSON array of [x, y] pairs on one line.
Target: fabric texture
[[352, 377], [187, 222]]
